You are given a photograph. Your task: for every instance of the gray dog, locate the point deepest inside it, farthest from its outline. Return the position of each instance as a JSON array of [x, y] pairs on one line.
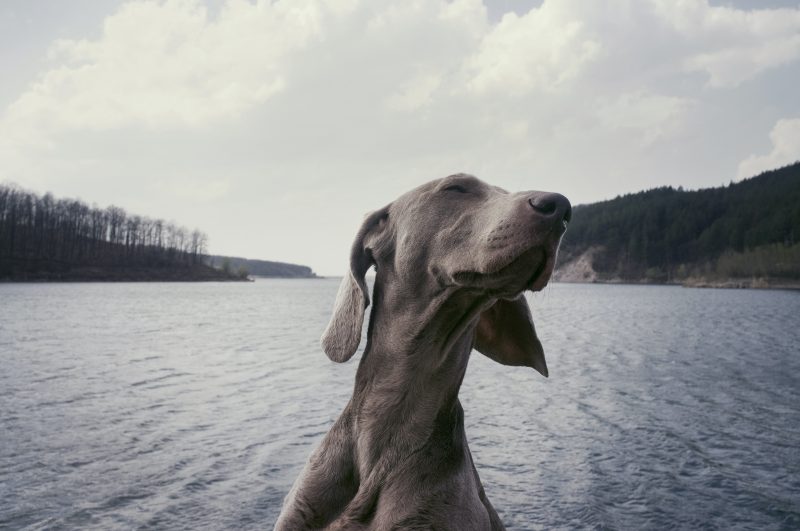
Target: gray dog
[[452, 260]]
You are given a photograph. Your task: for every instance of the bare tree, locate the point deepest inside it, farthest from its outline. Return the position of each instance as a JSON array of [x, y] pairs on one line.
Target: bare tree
[[42, 233]]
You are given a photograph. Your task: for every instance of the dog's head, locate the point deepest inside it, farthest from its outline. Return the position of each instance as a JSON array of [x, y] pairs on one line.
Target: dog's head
[[459, 234]]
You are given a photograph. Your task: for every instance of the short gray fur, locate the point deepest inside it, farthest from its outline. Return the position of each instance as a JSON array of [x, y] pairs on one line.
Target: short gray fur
[[452, 259]]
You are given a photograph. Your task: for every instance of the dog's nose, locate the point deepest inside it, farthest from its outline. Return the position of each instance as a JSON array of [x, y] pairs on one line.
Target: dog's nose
[[552, 206]]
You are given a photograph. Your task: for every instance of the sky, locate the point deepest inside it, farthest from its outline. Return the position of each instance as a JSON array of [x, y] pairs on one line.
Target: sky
[[274, 126]]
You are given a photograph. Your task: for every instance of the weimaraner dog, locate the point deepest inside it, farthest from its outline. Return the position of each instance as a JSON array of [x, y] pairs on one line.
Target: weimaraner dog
[[452, 258]]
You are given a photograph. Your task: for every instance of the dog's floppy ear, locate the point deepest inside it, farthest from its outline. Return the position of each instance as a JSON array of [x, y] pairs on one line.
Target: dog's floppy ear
[[506, 334], [341, 337]]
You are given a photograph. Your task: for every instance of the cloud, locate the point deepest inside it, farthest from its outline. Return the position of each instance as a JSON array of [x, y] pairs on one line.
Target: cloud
[[341, 105], [649, 116], [733, 45], [169, 65], [174, 64], [785, 137], [415, 93], [540, 50]]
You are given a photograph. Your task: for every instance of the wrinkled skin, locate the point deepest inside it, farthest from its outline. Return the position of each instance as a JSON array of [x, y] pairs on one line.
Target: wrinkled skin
[[452, 260]]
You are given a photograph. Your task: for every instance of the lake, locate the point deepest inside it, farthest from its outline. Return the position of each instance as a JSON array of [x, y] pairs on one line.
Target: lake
[[194, 406]]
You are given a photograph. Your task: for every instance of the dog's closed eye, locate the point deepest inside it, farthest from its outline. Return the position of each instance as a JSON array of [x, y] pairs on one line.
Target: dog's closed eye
[[459, 188]]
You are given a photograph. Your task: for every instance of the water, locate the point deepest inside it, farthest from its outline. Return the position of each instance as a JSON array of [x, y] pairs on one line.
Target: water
[[194, 406]]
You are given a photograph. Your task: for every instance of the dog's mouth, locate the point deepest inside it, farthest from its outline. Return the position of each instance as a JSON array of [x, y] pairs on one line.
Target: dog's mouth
[[537, 260], [530, 270], [541, 275]]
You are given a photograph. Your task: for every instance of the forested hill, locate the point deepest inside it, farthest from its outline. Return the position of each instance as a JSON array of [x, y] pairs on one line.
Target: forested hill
[[43, 238], [260, 268], [746, 233]]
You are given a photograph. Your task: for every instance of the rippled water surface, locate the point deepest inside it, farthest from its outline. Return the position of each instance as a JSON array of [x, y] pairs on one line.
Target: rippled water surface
[[194, 406]]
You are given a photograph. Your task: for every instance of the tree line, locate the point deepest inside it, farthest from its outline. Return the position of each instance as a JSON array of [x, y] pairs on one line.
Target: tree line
[[668, 233], [260, 268], [42, 233]]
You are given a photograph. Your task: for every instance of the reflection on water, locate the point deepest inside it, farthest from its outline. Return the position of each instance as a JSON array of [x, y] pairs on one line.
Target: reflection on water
[[196, 405]]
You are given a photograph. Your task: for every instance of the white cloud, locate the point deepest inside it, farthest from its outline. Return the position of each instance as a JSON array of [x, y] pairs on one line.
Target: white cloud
[[169, 64], [340, 105], [173, 64], [785, 137], [540, 50], [648, 116], [415, 93], [732, 45]]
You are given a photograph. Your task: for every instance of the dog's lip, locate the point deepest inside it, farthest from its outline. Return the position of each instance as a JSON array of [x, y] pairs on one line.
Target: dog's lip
[[543, 271], [542, 276], [513, 271], [535, 282]]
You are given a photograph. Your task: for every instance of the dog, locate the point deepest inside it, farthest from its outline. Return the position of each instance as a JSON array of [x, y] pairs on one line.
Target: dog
[[452, 259]]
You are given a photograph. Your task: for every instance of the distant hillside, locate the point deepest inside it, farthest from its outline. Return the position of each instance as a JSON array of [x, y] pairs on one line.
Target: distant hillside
[[259, 268], [746, 233], [44, 238]]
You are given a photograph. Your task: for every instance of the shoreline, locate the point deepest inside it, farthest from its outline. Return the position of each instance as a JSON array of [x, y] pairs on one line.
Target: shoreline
[[137, 277], [125, 274], [699, 283]]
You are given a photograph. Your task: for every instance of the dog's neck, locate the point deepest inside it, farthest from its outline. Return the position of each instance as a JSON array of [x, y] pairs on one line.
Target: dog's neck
[[417, 351]]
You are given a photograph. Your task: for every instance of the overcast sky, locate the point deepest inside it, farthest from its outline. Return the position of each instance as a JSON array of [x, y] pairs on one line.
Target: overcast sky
[[275, 126]]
